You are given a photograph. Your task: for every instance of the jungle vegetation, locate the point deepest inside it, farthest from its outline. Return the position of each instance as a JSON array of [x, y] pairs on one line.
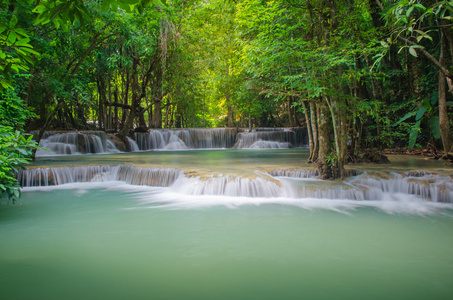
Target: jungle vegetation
[[357, 73]]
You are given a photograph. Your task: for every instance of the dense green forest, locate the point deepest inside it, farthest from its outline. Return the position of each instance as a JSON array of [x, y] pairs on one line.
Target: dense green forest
[[357, 73]]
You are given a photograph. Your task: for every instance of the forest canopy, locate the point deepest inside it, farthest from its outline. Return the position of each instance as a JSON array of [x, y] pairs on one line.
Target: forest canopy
[[356, 73]]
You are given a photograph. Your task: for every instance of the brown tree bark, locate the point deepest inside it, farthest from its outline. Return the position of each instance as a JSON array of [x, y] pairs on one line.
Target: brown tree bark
[[325, 142], [314, 127], [444, 124], [228, 101], [309, 130], [157, 114]]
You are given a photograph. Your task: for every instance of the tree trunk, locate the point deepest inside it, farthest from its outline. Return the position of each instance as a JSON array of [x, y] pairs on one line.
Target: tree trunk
[[314, 128], [115, 123], [337, 158], [101, 93], [309, 130], [122, 134], [324, 162], [157, 115], [125, 98], [444, 123], [230, 110], [228, 102], [290, 113]]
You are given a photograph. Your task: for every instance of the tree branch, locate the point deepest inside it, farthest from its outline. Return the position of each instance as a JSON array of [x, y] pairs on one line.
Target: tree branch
[[443, 69]]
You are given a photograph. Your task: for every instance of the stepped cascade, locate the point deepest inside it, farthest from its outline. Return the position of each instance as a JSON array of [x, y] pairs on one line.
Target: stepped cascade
[[296, 184], [271, 138], [96, 142], [80, 142], [125, 173], [182, 139]]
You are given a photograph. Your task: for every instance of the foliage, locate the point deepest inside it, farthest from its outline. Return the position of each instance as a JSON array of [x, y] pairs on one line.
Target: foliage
[[12, 110], [122, 64], [15, 151]]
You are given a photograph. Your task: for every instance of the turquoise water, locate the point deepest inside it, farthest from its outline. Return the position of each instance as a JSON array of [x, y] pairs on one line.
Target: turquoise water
[[110, 240], [109, 243], [233, 161]]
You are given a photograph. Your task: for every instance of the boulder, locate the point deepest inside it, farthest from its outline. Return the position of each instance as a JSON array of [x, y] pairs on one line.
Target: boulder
[[374, 156], [118, 142]]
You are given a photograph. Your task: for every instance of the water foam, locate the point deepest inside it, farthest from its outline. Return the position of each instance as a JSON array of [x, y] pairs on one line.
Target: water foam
[[400, 193]]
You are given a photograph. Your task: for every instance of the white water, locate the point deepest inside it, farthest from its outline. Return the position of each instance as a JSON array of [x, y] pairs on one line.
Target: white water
[[401, 193], [276, 139], [183, 139], [75, 143], [95, 142], [124, 173], [134, 146]]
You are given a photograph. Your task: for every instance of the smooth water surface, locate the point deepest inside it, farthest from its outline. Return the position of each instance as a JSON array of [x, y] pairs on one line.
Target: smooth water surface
[[233, 162], [114, 243]]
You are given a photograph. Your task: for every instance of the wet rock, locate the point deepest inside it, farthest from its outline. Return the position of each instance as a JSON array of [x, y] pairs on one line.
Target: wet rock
[[82, 144], [118, 143], [141, 129], [373, 156]]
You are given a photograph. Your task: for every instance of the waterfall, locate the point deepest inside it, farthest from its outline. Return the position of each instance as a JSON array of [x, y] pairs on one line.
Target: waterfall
[[271, 138], [296, 184], [93, 142], [134, 146], [228, 186], [183, 139], [128, 174], [427, 186], [295, 173], [82, 142]]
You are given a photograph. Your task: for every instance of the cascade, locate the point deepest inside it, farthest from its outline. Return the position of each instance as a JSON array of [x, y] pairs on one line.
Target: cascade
[[183, 139], [298, 184], [271, 138], [134, 146], [95, 142], [228, 186], [295, 173], [80, 142], [125, 173]]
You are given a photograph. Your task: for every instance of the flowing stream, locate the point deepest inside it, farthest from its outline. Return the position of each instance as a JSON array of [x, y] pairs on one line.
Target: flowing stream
[[227, 224]]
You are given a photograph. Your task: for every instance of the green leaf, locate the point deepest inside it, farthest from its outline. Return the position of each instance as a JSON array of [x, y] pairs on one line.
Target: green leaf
[[420, 113], [13, 21], [427, 104], [412, 51], [406, 116], [131, 2], [12, 37], [435, 128], [23, 42], [413, 134], [420, 7], [408, 12], [105, 5]]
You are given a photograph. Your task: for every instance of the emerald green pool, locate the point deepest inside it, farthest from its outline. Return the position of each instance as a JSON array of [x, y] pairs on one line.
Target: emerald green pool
[[110, 240]]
